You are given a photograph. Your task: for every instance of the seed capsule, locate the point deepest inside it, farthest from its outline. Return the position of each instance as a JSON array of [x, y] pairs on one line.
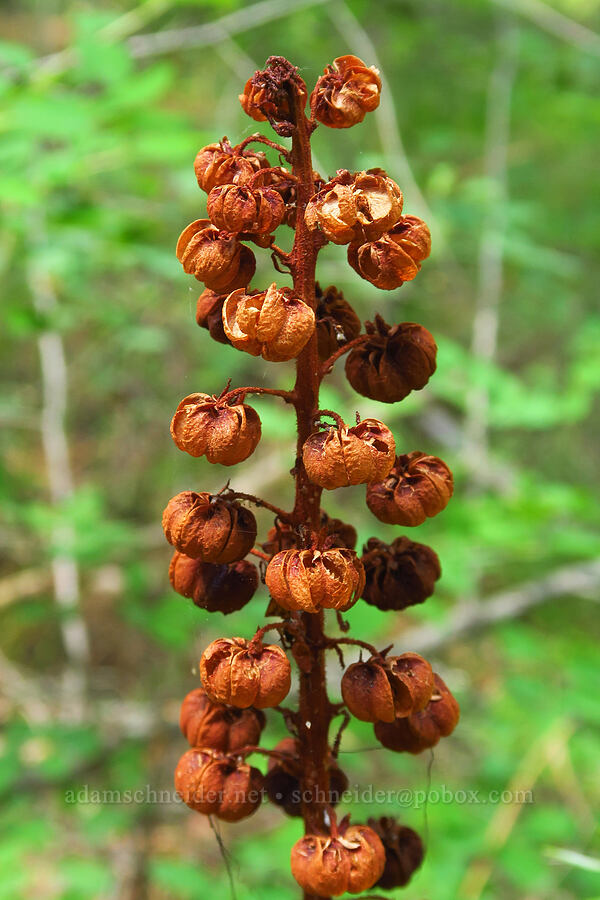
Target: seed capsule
[[217, 785], [392, 362], [329, 866], [359, 207], [422, 730], [418, 486], [346, 92], [404, 852], [335, 534], [283, 779], [209, 315], [341, 456], [209, 528], [224, 588], [235, 208], [393, 258], [245, 673], [217, 727], [267, 94], [381, 690], [399, 574], [223, 164], [224, 433], [311, 580], [215, 257], [274, 324], [337, 323]]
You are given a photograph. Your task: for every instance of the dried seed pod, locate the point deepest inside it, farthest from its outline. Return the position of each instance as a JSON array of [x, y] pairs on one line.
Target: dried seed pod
[[337, 323], [209, 315], [311, 580], [245, 673], [331, 865], [274, 324], [393, 258], [335, 534], [359, 207], [283, 779], [235, 208], [217, 727], [404, 852], [400, 574], [422, 730], [381, 690], [416, 488], [210, 528], [215, 257], [392, 362], [345, 93], [340, 456], [223, 164], [224, 433], [267, 94], [217, 785], [224, 589]]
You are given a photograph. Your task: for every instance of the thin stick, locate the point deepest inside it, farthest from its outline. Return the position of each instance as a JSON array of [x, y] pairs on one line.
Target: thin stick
[[355, 342]]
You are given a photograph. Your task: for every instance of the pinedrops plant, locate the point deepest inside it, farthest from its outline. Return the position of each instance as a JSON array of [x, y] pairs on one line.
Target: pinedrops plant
[[308, 559]]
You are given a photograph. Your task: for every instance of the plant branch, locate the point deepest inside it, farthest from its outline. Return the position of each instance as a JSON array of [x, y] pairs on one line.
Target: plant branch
[[355, 342]]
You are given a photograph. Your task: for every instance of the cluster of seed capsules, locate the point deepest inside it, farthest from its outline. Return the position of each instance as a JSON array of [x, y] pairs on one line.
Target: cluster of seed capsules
[[212, 535]]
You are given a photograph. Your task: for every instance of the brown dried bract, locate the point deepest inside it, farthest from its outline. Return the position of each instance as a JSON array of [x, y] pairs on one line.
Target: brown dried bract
[[404, 851], [422, 730], [209, 528], [337, 323], [400, 574], [224, 588], [218, 785], [217, 727], [209, 315], [215, 257], [381, 690], [223, 164], [245, 673], [395, 257], [341, 456], [235, 208], [311, 580], [346, 92], [392, 362], [418, 487], [328, 865], [274, 324], [224, 433], [283, 778], [359, 207]]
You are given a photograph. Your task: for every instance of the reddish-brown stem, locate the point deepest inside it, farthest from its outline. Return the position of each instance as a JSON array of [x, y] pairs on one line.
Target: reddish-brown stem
[[260, 554], [334, 642], [332, 415], [242, 391], [261, 139], [355, 342], [258, 501]]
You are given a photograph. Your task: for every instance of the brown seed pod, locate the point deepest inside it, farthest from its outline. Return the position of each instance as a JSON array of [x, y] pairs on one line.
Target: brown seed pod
[[267, 94], [340, 456], [215, 257], [335, 534], [217, 727], [224, 433], [400, 574], [283, 779], [209, 315], [311, 580], [210, 528], [217, 785], [393, 258], [392, 362], [235, 208], [345, 93], [359, 207], [381, 690], [224, 589], [337, 323], [245, 673], [331, 865], [223, 164], [274, 324], [416, 488], [404, 852], [422, 730]]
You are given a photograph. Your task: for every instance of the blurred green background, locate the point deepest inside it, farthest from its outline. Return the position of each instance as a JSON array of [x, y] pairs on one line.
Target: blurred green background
[[490, 122]]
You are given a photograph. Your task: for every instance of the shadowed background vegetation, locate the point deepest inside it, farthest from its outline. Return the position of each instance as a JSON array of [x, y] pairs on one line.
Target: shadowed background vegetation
[[490, 123]]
